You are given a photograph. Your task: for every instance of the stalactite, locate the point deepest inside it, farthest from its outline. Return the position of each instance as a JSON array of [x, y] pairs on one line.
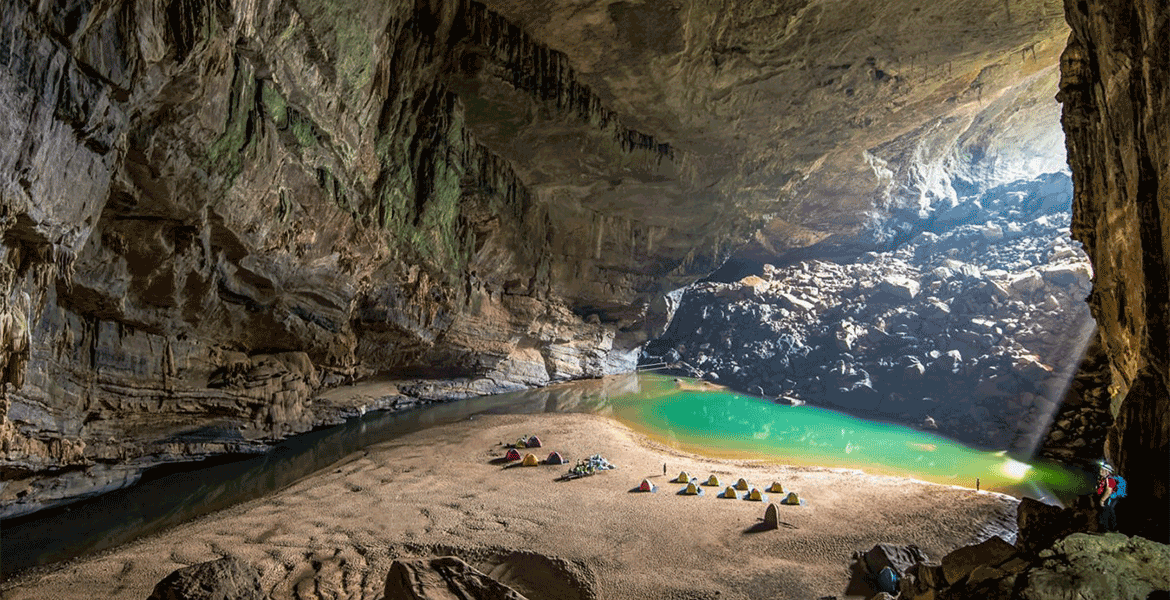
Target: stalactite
[[544, 73]]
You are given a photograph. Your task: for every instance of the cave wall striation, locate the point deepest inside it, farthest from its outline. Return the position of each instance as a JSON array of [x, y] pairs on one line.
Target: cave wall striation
[[211, 210], [1113, 87]]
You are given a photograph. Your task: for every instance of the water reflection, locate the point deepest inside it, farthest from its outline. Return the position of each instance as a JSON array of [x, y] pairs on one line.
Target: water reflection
[[161, 501], [681, 413]]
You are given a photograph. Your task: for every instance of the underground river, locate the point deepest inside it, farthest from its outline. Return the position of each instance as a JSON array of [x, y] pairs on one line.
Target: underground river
[[681, 413]]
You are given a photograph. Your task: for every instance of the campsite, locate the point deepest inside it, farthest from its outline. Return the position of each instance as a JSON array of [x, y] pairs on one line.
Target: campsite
[[439, 492]]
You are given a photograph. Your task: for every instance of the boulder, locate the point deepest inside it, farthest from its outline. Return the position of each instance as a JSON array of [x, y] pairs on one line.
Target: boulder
[[222, 579], [443, 578], [771, 517], [1026, 283], [793, 303], [1032, 369], [1040, 524], [1078, 273], [935, 310], [1112, 566], [959, 564], [899, 287], [898, 558], [951, 362]]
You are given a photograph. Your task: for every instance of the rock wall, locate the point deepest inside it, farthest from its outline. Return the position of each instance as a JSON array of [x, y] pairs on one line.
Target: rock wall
[[1113, 75], [210, 210]]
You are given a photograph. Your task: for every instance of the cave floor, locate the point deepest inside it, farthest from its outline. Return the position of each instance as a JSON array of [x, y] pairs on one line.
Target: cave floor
[[443, 491]]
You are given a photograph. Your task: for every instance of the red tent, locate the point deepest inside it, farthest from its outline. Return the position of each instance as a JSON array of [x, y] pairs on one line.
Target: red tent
[[512, 455]]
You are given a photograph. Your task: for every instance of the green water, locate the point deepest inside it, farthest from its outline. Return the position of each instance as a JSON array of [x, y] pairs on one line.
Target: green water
[[725, 424]]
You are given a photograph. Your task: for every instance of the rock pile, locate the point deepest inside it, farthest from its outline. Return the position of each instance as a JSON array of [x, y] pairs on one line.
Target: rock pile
[[973, 325], [1080, 565]]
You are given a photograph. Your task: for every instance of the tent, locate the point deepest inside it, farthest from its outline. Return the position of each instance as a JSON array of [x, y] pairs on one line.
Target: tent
[[713, 480], [533, 442], [521, 443], [730, 493], [692, 489], [776, 488], [646, 486], [682, 477], [530, 460], [755, 495], [792, 499], [512, 455], [741, 485], [555, 458]]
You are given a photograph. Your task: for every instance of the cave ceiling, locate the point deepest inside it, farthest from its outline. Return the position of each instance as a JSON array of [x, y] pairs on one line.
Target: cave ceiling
[[817, 120]]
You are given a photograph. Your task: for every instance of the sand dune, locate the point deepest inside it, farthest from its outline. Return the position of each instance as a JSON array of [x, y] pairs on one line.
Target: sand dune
[[335, 534]]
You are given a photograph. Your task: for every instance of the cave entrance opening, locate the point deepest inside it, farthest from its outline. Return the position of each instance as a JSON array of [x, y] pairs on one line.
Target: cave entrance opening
[[971, 323]]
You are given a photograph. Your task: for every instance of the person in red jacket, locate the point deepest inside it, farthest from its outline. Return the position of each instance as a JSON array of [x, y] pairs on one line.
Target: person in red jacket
[[1106, 486]]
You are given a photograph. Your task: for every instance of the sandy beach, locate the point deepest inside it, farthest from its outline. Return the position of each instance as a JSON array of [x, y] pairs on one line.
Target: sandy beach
[[442, 491]]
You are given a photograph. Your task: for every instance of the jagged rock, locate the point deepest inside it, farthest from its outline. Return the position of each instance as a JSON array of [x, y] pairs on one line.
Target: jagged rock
[[1104, 95], [900, 287], [962, 562], [1027, 283], [222, 579], [898, 558], [441, 579], [1064, 275], [793, 303], [1040, 524], [1099, 566]]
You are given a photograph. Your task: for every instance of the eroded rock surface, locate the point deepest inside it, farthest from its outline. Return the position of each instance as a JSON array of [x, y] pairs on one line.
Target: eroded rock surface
[[1113, 74], [223, 579], [441, 578]]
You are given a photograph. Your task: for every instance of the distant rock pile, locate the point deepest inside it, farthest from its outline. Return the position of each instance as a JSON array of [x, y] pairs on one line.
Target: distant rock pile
[[974, 325]]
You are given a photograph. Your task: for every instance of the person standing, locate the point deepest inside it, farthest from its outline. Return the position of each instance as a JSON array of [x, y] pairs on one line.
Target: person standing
[[1107, 498]]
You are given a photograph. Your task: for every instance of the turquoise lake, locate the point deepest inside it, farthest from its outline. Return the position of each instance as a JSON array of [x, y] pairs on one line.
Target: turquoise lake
[[720, 423]]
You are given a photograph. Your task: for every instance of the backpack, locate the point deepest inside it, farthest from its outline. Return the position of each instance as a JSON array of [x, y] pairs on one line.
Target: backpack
[[1120, 491]]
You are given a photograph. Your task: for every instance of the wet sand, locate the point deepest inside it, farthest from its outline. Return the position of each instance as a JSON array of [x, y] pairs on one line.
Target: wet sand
[[443, 491]]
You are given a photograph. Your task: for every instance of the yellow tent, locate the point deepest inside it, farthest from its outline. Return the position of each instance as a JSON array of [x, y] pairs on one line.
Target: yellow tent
[[792, 499], [730, 493], [755, 495], [713, 480], [682, 477], [776, 488], [530, 460], [692, 489], [741, 485]]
